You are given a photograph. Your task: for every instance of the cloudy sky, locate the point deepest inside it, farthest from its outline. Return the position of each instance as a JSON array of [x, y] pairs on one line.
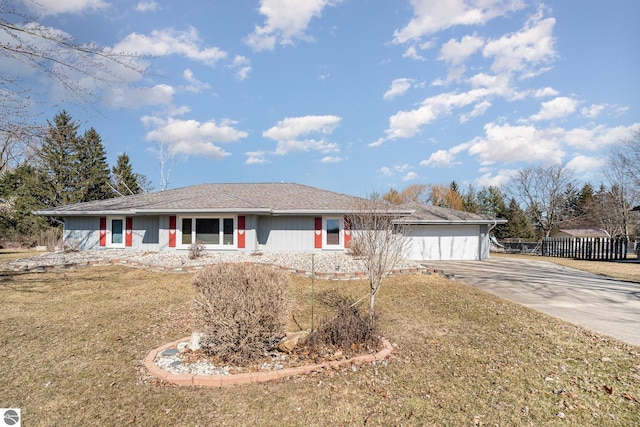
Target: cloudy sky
[[353, 96]]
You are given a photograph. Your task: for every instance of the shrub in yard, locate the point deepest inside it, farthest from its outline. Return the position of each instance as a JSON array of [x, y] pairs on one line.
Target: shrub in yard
[[348, 331], [242, 310], [195, 250]]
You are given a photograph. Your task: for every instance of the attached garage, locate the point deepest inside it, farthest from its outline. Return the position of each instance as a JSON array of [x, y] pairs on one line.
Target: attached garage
[[441, 234]]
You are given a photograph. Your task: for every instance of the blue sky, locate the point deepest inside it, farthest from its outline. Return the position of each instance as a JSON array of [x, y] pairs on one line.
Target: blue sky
[[354, 96]]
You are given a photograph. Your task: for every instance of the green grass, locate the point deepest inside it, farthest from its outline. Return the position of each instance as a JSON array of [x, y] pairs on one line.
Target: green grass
[[72, 345]]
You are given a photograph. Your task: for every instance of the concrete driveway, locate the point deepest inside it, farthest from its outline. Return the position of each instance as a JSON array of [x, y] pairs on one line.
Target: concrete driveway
[[600, 304]]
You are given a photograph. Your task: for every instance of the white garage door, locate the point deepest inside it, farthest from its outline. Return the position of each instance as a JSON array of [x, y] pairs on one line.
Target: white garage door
[[443, 243]]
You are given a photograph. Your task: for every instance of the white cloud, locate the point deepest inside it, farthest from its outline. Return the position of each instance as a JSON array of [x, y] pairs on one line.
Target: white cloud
[[286, 21], [431, 16], [545, 92], [191, 137], [523, 50], [583, 165], [412, 53], [171, 42], [332, 159], [242, 65], [478, 110], [438, 158], [556, 108], [405, 124], [288, 133], [55, 7], [456, 52], [510, 144], [147, 6], [499, 180], [256, 157], [402, 169], [598, 137], [386, 171], [195, 84], [134, 97], [398, 87], [410, 176]]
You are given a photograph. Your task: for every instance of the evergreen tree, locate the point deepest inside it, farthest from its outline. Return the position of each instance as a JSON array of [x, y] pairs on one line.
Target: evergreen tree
[[92, 179], [492, 202], [22, 193], [125, 181], [58, 158], [518, 225]]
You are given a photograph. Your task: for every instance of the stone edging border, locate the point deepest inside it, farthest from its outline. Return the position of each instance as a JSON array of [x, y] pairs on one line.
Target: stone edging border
[[338, 275], [250, 377]]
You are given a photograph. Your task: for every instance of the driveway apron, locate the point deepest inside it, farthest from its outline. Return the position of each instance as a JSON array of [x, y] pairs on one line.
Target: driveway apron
[[603, 305]]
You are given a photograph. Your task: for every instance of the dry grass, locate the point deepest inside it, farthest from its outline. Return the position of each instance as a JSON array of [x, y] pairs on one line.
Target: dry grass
[[72, 345], [628, 270]]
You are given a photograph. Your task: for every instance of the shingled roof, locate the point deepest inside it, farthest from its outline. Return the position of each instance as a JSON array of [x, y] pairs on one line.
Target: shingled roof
[[266, 198], [430, 214]]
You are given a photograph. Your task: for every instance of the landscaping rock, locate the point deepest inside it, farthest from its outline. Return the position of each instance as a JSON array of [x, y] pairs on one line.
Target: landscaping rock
[[290, 342], [194, 342]]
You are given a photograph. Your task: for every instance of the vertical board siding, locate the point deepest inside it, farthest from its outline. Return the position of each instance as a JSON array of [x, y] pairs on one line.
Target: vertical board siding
[[89, 232], [84, 230], [286, 233]]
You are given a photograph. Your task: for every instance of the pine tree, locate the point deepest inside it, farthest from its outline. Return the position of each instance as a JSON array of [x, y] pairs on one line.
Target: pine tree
[[58, 159], [22, 193], [518, 225], [126, 182], [92, 180]]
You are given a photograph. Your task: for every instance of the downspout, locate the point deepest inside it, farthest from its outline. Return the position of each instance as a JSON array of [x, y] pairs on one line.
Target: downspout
[[491, 227]]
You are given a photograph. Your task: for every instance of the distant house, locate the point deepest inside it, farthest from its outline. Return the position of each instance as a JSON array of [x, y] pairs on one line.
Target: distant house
[[269, 217], [580, 233]]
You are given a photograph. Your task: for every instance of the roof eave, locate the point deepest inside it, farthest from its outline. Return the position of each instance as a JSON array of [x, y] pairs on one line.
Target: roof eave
[[452, 222], [83, 213]]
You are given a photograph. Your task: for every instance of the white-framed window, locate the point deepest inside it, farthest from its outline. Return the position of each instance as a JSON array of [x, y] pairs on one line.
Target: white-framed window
[[333, 231], [212, 231], [115, 231]]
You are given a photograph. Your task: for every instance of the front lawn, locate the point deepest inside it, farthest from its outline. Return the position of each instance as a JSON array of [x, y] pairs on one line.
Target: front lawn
[[72, 344]]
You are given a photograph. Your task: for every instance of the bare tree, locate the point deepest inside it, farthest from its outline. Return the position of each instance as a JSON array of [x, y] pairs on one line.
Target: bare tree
[[624, 159], [622, 172], [167, 160], [378, 239], [28, 47], [542, 192]]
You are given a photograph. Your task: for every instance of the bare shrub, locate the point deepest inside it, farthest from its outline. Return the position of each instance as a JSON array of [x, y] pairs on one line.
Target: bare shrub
[[195, 250], [242, 310], [49, 237], [355, 248], [71, 245], [348, 331]]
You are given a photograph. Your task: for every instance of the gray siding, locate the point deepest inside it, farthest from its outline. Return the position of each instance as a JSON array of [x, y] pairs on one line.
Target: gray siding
[[84, 230], [146, 233], [285, 233]]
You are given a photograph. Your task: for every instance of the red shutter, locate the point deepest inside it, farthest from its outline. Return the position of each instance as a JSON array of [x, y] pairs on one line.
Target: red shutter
[[347, 231], [103, 231], [318, 233], [128, 233], [241, 232], [172, 231]]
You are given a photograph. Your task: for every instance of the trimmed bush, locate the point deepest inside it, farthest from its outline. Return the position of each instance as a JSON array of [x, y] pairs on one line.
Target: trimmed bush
[[242, 310]]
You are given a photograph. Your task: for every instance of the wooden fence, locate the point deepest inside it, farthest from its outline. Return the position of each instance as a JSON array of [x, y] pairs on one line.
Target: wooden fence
[[589, 248]]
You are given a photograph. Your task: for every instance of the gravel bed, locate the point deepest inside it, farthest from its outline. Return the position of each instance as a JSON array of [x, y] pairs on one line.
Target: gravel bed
[[321, 262], [171, 360]]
